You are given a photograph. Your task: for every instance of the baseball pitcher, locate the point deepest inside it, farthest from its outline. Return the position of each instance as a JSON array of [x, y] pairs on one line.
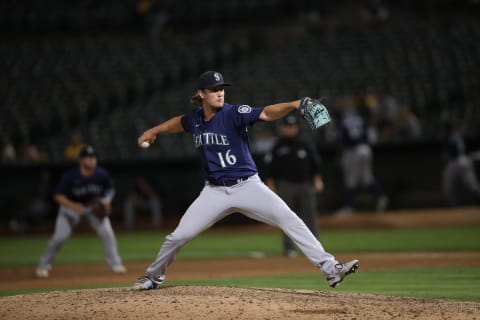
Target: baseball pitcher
[[219, 132]]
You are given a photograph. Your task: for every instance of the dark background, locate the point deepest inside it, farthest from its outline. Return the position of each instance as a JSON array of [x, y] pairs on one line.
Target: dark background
[[108, 70]]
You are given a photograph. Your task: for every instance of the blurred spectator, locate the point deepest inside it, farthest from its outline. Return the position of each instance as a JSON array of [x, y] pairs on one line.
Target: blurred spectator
[[386, 116], [357, 160], [407, 125], [9, 154], [366, 103], [144, 197], [311, 12], [459, 168], [294, 173], [375, 11], [74, 147], [155, 13], [30, 154], [38, 208]]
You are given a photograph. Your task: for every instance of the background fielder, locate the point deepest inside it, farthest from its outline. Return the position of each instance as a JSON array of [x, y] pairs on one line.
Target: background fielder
[[357, 161], [219, 132], [74, 193], [459, 169]]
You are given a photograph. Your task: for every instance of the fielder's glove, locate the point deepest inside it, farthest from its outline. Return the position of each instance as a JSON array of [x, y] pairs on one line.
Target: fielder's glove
[[99, 208], [314, 112]]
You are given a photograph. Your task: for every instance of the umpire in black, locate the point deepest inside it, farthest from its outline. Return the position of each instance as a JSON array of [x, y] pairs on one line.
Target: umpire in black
[[292, 171]]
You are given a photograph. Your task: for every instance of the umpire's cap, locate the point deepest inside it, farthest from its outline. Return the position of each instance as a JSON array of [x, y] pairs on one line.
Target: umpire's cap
[[290, 120], [88, 151], [211, 79]]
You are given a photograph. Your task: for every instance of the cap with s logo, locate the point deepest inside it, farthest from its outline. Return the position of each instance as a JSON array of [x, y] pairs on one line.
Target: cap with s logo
[[88, 151], [211, 79]]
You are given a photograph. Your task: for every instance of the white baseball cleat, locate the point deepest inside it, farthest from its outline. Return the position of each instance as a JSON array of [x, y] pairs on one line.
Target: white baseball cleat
[[42, 272], [119, 268], [341, 271], [145, 283]]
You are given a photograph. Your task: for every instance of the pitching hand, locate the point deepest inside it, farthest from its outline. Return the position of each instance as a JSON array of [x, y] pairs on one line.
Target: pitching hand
[[147, 136]]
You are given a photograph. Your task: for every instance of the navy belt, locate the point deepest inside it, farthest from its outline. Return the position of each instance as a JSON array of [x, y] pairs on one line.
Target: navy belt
[[227, 183]]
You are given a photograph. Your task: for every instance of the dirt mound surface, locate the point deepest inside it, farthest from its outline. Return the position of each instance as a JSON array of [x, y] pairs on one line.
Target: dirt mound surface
[[196, 302]]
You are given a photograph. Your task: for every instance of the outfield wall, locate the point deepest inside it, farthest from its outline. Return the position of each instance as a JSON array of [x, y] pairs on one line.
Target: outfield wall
[[410, 174]]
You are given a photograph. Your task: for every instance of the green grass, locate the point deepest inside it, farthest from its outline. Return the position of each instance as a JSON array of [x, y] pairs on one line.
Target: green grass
[[459, 283], [452, 283], [218, 243], [401, 240]]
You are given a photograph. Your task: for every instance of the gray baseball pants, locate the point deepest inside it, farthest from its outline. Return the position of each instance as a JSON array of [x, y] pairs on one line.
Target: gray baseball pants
[[67, 219], [251, 198]]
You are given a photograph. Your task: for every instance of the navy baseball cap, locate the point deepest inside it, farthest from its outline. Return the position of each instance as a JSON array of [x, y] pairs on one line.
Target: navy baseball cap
[[211, 79], [88, 151]]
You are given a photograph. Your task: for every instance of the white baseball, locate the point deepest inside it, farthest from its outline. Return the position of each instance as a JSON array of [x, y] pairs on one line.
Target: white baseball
[[145, 144]]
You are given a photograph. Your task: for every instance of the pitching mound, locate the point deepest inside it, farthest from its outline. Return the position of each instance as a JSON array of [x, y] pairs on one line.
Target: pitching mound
[[197, 302], [208, 303]]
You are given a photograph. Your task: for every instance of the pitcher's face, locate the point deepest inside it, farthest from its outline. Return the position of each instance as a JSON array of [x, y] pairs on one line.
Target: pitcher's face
[[213, 97]]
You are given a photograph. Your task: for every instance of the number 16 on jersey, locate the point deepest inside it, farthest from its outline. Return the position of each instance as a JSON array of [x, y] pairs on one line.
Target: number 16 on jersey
[[227, 158]]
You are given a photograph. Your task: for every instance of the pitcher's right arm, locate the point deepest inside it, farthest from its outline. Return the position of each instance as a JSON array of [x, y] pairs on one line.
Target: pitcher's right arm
[[173, 125]]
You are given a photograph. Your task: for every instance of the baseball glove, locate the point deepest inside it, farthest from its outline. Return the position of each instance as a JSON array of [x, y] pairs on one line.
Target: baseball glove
[[314, 112], [99, 208]]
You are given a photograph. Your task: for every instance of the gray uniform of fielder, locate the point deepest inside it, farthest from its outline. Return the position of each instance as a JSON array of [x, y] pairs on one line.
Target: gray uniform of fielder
[[357, 161], [459, 169], [82, 189]]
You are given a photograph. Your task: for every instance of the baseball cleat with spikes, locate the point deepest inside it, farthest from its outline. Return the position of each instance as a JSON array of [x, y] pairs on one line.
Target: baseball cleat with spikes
[[146, 283], [341, 271]]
